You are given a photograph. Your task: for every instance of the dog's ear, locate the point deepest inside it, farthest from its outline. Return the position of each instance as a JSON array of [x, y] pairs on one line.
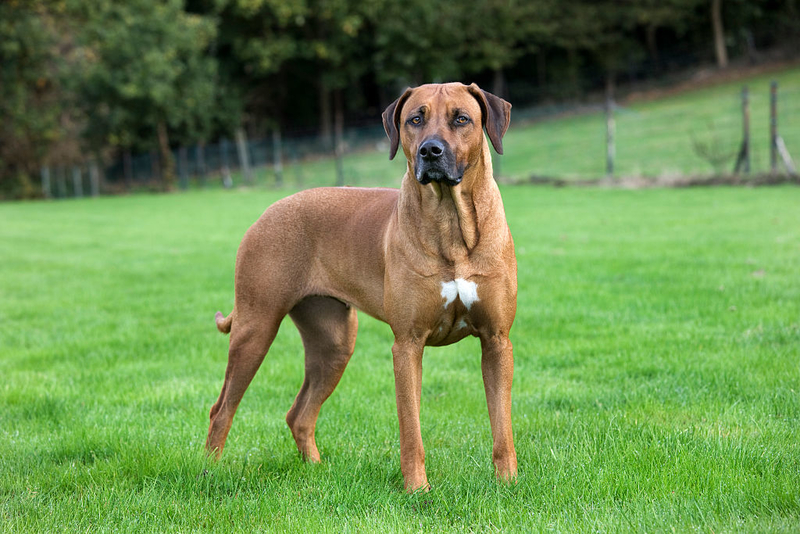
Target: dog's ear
[[391, 120], [496, 115]]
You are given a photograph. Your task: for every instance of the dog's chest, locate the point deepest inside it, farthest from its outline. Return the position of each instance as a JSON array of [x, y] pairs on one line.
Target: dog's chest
[[453, 323], [465, 291]]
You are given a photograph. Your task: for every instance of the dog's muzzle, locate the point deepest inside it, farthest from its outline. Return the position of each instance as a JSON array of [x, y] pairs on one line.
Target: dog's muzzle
[[436, 163]]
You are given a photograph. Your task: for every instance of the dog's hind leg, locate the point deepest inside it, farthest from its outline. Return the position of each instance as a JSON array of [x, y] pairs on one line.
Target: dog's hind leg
[[251, 338], [328, 328]]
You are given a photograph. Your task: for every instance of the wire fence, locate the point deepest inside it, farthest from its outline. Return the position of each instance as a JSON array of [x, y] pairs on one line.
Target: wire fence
[[698, 135], [702, 133]]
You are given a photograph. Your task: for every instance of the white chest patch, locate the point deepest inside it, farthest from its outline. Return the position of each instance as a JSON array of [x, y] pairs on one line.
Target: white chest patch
[[465, 290]]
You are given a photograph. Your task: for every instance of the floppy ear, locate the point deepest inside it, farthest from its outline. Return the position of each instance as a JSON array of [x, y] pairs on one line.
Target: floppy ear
[[391, 119], [496, 115]]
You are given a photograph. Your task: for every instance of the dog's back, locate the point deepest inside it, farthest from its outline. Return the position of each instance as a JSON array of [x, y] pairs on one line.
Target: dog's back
[[319, 241]]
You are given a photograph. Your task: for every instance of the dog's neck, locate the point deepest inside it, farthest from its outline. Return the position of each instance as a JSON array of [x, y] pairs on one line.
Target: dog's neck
[[456, 218]]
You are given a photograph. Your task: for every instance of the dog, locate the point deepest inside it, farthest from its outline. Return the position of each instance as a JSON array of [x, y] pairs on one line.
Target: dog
[[434, 259]]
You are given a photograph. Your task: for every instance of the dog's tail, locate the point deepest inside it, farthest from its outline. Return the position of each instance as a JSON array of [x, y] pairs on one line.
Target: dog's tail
[[224, 323]]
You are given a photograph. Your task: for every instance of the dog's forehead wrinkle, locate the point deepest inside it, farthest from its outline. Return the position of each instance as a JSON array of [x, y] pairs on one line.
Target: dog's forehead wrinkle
[[443, 99]]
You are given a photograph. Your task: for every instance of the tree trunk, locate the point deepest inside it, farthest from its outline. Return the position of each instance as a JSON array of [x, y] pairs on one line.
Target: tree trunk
[[244, 157], [200, 162], [339, 136], [325, 129], [183, 167], [541, 68], [610, 126], [573, 65], [277, 156], [155, 167], [62, 183], [167, 161], [94, 177], [652, 45], [47, 192], [499, 83], [128, 168], [719, 34]]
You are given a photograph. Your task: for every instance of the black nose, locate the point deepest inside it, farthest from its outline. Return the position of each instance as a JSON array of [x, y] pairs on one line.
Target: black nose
[[431, 149]]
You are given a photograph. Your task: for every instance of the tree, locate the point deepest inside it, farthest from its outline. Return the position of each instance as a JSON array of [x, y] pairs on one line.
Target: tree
[[37, 127], [337, 44], [419, 41], [653, 15], [322, 41], [501, 32], [147, 74], [719, 34], [256, 39]]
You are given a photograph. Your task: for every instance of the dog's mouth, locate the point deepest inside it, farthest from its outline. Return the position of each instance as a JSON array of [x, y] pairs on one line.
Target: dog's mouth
[[436, 162], [426, 174]]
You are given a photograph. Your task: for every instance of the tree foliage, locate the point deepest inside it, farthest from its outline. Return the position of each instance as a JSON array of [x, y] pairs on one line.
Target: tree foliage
[[146, 72], [32, 101], [86, 79]]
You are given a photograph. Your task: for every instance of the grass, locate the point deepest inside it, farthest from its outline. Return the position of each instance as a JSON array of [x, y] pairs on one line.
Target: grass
[[656, 386]]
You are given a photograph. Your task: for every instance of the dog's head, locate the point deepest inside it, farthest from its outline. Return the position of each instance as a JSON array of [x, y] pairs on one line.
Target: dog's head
[[441, 129]]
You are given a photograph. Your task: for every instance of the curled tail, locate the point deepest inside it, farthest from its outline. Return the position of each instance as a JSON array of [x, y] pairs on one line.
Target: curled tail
[[224, 323]]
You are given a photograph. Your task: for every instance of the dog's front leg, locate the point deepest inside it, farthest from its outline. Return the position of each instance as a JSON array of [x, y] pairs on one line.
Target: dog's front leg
[[408, 388], [497, 364]]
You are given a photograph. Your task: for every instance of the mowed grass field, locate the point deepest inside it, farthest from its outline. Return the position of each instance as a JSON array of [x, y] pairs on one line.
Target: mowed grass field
[[657, 383]]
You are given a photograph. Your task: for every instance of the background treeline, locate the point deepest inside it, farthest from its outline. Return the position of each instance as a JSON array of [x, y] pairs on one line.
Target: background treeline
[[90, 79]]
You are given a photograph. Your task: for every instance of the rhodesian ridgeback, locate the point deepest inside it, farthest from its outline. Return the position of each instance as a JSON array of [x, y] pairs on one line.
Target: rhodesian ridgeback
[[434, 259]]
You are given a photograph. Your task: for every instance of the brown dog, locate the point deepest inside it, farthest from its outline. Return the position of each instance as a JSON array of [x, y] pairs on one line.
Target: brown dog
[[435, 260]]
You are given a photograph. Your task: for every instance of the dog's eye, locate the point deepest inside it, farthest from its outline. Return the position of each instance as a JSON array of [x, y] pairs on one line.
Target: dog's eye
[[462, 119], [416, 120]]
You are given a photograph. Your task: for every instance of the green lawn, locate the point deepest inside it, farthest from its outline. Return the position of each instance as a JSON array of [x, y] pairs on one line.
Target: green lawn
[[657, 381]]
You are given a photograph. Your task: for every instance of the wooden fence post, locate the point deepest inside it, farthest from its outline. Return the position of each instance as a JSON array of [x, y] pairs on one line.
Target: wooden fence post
[[298, 171], [773, 127], [244, 160], [155, 167], [277, 158], [743, 159], [200, 162], [62, 183], [785, 156], [127, 166], [610, 128], [227, 181], [777, 146], [338, 131], [46, 191], [183, 168], [77, 182], [94, 178]]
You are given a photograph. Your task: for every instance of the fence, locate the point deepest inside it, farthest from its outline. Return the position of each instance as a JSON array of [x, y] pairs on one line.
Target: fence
[[697, 133], [712, 131]]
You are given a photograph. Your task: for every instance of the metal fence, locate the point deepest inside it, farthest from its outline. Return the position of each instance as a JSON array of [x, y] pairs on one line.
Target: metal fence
[[733, 132]]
